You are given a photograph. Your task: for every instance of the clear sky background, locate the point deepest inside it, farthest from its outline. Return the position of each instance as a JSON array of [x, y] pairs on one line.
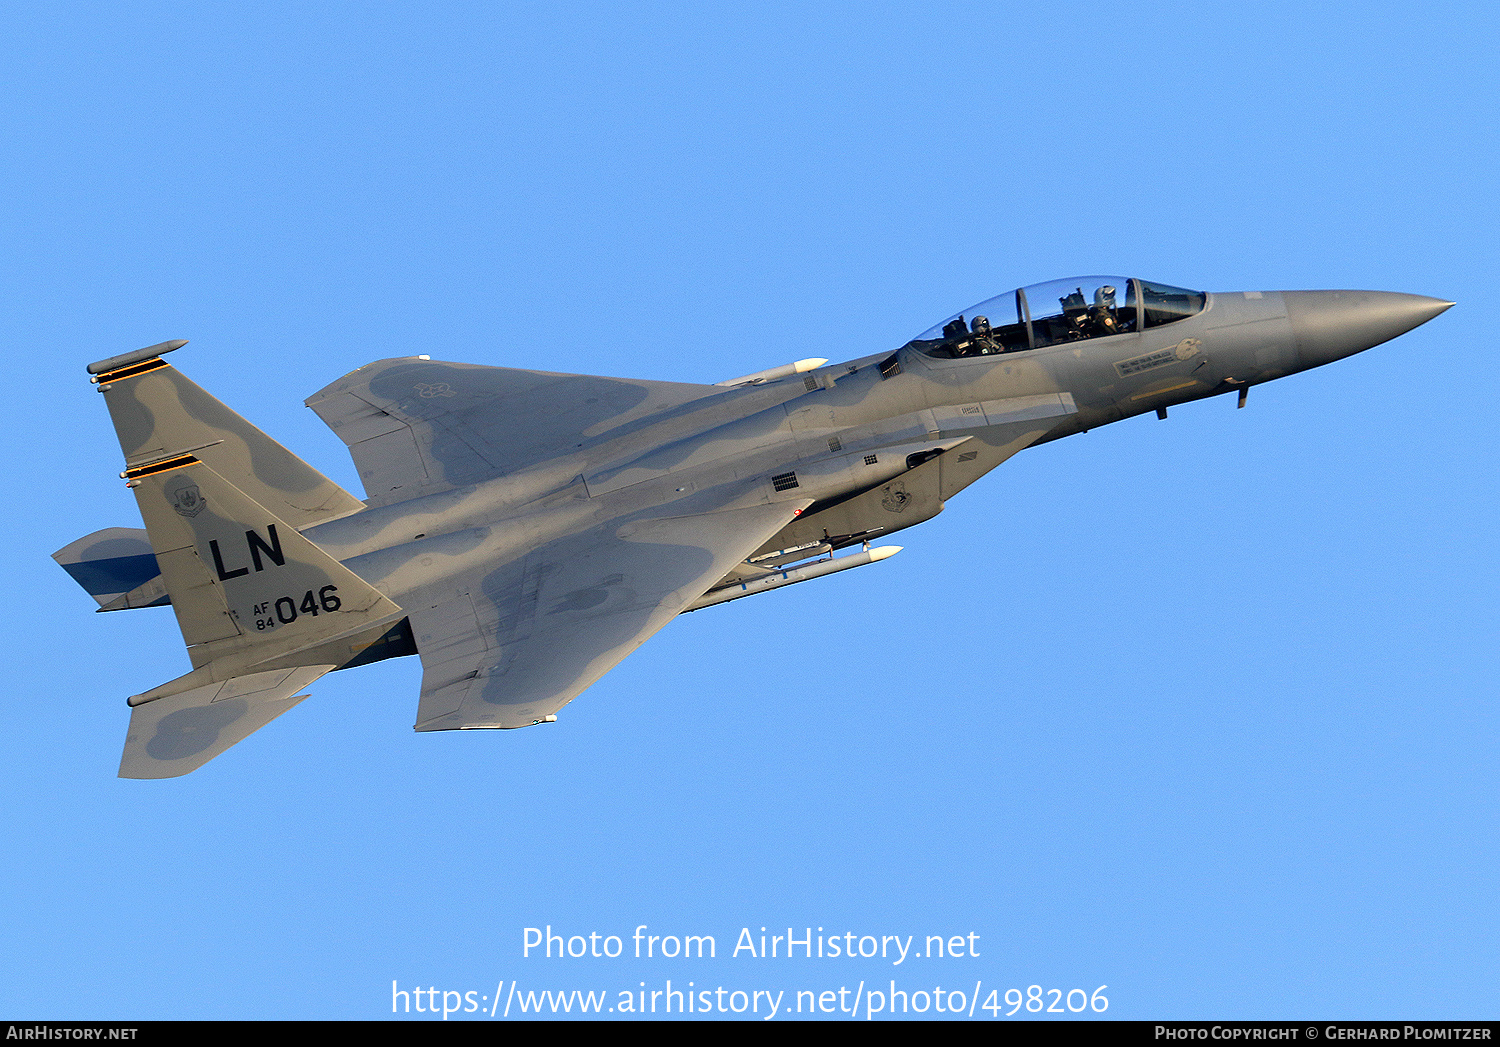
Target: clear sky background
[[1202, 710]]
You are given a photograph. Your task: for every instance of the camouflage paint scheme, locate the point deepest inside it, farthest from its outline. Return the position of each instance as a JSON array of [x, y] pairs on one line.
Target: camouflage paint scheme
[[525, 531]]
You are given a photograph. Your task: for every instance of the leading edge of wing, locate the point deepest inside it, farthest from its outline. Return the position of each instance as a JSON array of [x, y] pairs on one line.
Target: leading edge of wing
[[518, 643], [417, 426]]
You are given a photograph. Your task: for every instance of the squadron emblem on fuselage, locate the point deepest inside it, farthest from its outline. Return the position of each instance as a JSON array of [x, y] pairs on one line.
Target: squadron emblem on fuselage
[[896, 499]]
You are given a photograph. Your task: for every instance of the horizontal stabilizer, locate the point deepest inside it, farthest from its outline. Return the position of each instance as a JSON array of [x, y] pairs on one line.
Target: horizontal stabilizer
[[150, 593], [112, 564], [179, 733]]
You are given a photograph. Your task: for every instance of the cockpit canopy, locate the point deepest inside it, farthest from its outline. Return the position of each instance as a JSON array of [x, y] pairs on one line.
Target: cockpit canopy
[[1068, 310]]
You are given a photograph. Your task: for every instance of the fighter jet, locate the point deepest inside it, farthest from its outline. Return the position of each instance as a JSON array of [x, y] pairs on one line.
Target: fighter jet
[[524, 531]]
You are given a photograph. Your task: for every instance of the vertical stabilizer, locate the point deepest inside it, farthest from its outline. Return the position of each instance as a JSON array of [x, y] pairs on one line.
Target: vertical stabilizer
[[159, 414], [260, 607], [245, 585]]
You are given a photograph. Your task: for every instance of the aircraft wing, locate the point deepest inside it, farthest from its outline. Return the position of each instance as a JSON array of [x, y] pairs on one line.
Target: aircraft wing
[[512, 643], [418, 426]]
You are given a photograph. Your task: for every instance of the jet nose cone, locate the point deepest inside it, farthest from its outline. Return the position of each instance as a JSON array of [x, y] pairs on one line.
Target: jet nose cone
[[1330, 325]]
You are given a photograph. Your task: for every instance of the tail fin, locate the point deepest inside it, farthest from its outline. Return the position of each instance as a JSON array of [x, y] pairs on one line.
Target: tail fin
[[246, 586], [260, 607], [159, 414]]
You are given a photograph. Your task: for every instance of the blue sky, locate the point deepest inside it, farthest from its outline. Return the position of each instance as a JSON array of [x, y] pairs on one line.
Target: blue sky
[[1203, 710]]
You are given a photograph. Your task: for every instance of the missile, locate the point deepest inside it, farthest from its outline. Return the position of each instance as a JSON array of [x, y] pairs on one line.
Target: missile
[[793, 575], [772, 373], [782, 557]]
